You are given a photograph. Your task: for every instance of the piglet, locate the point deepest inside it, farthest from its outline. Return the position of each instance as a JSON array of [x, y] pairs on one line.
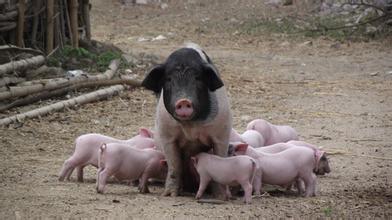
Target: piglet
[[86, 151], [322, 165], [251, 137], [283, 168], [127, 163], [227, 171], [272, 134]]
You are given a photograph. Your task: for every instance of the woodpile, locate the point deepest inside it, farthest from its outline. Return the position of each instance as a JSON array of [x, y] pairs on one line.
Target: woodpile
[[30, 32], [45, 25], [19, 91]]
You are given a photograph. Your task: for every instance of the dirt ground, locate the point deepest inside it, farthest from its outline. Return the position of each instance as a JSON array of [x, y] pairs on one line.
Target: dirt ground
[[337, 95]]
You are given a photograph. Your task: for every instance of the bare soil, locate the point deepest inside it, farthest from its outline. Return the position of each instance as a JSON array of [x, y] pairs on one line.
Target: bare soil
[[336, 94]]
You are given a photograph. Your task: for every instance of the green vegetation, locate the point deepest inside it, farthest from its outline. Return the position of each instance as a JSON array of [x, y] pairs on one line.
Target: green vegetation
[[327, 211], [80, 58]]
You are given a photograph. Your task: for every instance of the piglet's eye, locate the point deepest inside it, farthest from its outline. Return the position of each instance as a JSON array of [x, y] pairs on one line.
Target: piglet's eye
[[198, 78]]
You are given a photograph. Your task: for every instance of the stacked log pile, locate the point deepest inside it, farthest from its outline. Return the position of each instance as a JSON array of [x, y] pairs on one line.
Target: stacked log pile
[[18, 90], [44, 25], [30, 32]]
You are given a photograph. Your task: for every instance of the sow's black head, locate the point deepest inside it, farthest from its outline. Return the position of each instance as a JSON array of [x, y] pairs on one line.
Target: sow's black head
[[184, 76]]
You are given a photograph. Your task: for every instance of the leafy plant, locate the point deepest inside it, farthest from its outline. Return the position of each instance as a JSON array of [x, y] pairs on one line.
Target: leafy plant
[[327, 211]]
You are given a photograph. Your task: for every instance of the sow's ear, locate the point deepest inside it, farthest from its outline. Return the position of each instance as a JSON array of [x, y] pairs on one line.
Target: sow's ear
[[211, 78], [153, 80]]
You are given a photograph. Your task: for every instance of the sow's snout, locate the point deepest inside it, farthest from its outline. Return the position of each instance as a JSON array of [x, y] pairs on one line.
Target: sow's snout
[[184, 109]]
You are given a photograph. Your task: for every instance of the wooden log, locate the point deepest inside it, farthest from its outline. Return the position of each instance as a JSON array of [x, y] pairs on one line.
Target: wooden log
[[44, 71], [15, 49], [21, 14], [49, 26], [21, 64], [74, 22], [6, 26], [80, 100], [18, 91], [62, 91], [7, 16], [8, 80]]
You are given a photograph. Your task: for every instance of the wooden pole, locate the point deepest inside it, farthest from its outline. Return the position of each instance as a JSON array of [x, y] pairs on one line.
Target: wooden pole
[[80, 100], [36, 7], [86, 18], [74, 22], [49, 25], [21, 16]]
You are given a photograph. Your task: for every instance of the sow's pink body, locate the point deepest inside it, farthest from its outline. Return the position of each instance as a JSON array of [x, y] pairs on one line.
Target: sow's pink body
[[87, 146], [272, 134], [283, 168], [227, 171], [127, 163]]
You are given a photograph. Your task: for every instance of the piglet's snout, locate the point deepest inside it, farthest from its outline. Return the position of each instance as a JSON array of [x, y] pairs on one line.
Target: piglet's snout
[[184, 108]]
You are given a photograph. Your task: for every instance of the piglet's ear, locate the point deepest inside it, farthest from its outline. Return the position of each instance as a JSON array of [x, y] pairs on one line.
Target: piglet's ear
[[144, 132], [163, 163], [241, 147], [153, 80], [194, 160], [211, 78], [318, 155]]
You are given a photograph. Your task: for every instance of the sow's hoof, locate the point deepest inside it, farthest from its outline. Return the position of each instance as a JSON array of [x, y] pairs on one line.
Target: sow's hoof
[[170, 192]]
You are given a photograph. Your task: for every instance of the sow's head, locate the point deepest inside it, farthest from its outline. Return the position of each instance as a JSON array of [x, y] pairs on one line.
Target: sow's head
[[187, 81]]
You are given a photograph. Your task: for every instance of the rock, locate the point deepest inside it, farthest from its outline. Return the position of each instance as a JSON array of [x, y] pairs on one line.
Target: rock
[[131, 60], [159, 37], [336, 45], [307, 43], [389, 72], [374, 73], [164, 6], [142, 39]]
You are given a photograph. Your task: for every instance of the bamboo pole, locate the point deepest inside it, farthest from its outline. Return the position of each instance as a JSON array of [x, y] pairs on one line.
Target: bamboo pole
[[74, 22], [21, 15], [80, 100], [49, 26]]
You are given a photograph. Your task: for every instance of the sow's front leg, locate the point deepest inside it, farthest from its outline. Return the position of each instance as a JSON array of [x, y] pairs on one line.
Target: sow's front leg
[[173, 179]]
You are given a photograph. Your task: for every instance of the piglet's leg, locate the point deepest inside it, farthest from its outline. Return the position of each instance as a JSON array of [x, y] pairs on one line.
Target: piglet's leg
[[248, 192], [66, 170], [220, 148], [228, 193], [143, 185], [204, 180], [310, 185], [173, 178], [79, 171], [103, 176]]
